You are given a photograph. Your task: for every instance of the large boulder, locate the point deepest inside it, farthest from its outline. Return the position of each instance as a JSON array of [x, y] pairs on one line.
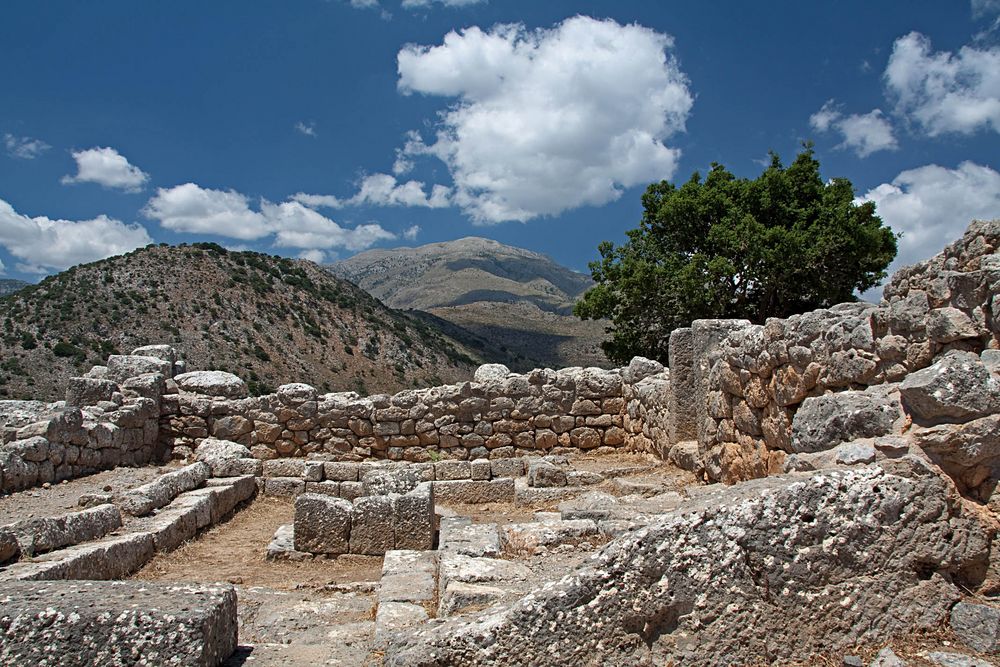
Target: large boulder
[[491, 373], [823, 422], [958, 387], [123, 366], [863, 554], [212, 383]]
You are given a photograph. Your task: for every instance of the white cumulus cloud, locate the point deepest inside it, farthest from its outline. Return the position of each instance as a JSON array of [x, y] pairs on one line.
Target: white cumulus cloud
[[549, 120], [24, 148], [314, 255], [944, 92], [862, 133], [107, 167], [194, 209], [932, 206], [382, 190], [410, 233], [45, 244]]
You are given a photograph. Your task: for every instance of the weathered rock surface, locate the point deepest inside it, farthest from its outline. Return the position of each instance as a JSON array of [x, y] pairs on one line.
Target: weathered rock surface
[[957, 387], [864, 554], [978, 625], [822, 422], [322, 524], [80, 624], [212, 383]]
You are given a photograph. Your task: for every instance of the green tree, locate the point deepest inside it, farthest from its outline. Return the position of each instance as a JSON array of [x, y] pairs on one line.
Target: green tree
[[783, 243]]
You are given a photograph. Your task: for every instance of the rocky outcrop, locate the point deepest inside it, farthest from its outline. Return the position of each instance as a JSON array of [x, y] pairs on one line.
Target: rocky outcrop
[[863, 554]]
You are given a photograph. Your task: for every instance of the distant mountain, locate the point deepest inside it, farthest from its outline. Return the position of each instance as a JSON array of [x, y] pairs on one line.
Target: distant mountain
[[270, 320], [517, 300], [8, 286]]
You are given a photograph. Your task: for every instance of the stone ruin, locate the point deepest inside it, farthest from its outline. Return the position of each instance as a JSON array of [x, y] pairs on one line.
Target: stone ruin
[[851, 457]]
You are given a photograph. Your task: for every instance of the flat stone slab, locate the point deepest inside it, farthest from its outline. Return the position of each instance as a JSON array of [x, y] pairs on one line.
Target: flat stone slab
[[474, 492], [459, 535], [408, 576], [527, 536], [80, 624]]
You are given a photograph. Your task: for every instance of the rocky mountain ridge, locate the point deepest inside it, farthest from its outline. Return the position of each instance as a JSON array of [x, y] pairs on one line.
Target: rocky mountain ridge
[[518, 300], [271, 319]]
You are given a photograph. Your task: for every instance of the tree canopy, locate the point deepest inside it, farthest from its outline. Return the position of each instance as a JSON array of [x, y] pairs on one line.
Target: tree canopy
[[783, 243]]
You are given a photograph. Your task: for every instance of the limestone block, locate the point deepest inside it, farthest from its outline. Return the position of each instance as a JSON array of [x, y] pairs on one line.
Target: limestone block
[[322, 524], [957, 388], [413, 518], [475, 492], [341, 471], [164, 352], [544, 474], [231, 427], [823, 422], [89, 391], [480, 469], [459, 535], [506, 467], [285, 468], [211, 383], [459, 597], [284, 487], [491, 373], [372, 526], [445, 470], [77, 624], [123, 366], [946, 325]]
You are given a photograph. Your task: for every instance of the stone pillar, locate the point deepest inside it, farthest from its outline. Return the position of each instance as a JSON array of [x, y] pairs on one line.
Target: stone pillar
[[682, 420], [707, 335]]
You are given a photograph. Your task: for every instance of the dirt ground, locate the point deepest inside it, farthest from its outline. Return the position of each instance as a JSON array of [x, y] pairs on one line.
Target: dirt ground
[[233, 551], [62, 497]]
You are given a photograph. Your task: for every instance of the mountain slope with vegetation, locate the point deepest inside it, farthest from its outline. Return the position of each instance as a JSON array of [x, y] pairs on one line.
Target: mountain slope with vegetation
[[269, 319], [518, 301], [9, 286]]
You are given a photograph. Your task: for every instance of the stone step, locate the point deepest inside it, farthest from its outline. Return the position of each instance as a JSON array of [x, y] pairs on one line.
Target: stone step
[[119, 555], [459, 535], [406, 593]]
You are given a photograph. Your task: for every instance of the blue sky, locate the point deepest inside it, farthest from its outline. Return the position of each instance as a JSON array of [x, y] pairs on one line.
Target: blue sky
[[319, 128]]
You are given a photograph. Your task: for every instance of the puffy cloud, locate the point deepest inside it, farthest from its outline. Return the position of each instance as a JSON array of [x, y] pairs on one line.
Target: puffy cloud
[[382, 190], [932, 206], [410, 233], [191, 208], [107, 167], [422, 4], [549, 120], [24, 148], [46, 244], [981, 8], [308, 129], [863, 133], [299, 226], [314, 255], [944, 92], [385, 190]]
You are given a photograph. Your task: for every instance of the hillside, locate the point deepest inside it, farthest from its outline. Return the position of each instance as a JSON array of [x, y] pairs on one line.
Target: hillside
[[271, 320], [519, 301], [9, 286]]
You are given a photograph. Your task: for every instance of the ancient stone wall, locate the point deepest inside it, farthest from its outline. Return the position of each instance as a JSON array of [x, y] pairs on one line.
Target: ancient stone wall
[[109, 418], [497, 415], [759, 375]]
